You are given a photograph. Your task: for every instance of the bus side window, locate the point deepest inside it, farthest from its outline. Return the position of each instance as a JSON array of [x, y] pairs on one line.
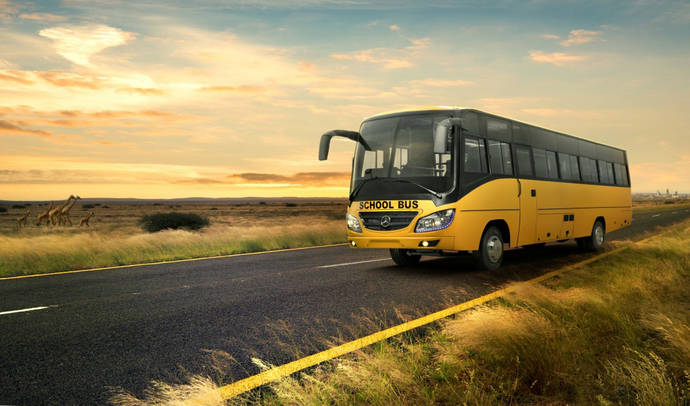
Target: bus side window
[[589, 170], [524, 161], [564, 163], [500, 161], [574, 168], [551, 169], [539, 162], [475, 155], [621, 175]]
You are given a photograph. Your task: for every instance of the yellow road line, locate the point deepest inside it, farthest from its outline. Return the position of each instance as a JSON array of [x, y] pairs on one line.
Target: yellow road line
[[276, 373], [173, 261]]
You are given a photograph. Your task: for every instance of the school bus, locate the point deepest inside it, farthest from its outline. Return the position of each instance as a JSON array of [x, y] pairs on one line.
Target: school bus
[[444, 180]]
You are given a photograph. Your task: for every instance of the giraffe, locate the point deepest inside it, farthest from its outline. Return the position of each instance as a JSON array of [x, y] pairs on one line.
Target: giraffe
[[85, 220], [55, 213], [21, 221], [44, 215], [63, 217]]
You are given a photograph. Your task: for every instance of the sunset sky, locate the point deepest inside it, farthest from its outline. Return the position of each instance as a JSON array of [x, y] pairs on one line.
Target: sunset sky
[[228, 98]]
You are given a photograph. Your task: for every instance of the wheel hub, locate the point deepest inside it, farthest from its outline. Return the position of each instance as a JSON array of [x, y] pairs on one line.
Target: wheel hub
[[494, 249]]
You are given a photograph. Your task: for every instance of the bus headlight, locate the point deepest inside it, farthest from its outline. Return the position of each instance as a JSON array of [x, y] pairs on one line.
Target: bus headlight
[[434, 222], [353, 223]]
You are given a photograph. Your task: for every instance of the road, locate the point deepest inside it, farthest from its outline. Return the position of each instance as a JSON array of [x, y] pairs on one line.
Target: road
[[126, 327]]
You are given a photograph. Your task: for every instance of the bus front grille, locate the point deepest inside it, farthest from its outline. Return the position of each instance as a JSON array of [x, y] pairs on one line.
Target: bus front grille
[[387, 220]]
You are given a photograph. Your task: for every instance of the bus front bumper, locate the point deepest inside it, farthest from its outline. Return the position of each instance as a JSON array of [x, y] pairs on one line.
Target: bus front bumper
[[413, 243]]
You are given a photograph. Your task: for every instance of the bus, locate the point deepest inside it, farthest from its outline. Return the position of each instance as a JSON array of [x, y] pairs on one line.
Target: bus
[[449, 180]]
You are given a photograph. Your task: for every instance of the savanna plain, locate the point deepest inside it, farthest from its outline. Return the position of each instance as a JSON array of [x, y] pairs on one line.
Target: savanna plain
[[115, 234]]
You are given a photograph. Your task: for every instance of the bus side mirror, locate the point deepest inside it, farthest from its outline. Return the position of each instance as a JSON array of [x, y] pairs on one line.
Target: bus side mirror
[[325, 144], [443, 135]]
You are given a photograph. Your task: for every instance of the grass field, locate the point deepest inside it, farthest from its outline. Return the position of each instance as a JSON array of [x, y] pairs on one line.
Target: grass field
[[116, 238], [614, 332]]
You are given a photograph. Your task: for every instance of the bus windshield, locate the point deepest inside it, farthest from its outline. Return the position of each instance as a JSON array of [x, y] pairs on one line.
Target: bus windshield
[[402, 150]]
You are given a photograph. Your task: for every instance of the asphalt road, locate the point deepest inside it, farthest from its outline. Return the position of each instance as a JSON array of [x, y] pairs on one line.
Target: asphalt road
[[127, 327]]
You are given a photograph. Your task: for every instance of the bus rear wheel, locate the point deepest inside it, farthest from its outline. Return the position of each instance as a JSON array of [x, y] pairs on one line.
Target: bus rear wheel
[[595, 241], [490, 254], [404, 258]]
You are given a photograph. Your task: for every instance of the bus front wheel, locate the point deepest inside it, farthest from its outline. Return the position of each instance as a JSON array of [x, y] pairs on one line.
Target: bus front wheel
[[404, 258], [595, 241], [490, 253]]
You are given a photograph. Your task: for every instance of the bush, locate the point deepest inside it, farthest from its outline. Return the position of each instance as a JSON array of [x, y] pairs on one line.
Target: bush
[[290, 204], [3, 209], [172, 220], [88, 206], [18, 206]]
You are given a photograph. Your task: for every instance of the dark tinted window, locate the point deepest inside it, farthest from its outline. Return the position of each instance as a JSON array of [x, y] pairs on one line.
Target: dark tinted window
[[621, 174], [574, 168], [524, 161], [551, 169], [588, 169], [539, 162], [568, 171], [500, 162], [475, 155], [605, 172]]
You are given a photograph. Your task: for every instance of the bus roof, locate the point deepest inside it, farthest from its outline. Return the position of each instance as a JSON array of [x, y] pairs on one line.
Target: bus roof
[[554, 134]]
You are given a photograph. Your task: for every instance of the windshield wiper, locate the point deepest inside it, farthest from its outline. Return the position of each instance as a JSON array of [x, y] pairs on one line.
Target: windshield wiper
[[357, 189], [433, 192]]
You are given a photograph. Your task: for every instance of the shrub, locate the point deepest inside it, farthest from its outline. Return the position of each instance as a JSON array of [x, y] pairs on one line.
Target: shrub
[[18, 206], [3, 209], [290, 204], [88, 206], [172, 220]]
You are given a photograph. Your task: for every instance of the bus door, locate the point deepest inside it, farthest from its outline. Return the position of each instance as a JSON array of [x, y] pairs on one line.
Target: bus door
[[527, 195]]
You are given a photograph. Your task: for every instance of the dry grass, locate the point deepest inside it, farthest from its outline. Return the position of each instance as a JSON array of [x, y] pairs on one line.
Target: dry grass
[[615, 332], [115, 237]]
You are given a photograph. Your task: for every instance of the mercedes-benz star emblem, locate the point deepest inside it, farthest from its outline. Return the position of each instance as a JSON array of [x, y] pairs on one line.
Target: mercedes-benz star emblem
[[385, 221]]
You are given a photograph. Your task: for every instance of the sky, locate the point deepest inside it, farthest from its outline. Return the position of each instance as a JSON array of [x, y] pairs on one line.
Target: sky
[[146, 99]]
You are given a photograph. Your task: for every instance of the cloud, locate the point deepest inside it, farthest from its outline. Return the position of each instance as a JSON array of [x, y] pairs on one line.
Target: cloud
[[8, 127], [394, 28], [550, 36], [67, 79], [389, 58], [274, 179], [440, 82], [234, 89], [15, 76], [555, 58], [146, 91], [577, 37], [42, 17], [553, 112], [77, 43]]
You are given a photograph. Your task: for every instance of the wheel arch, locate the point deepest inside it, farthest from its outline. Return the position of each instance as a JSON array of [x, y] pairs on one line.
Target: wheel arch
[[502, 226]]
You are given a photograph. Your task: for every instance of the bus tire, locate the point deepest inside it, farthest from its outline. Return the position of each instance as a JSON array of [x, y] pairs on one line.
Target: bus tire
[[595, 241], [404, 258], [490, 254]]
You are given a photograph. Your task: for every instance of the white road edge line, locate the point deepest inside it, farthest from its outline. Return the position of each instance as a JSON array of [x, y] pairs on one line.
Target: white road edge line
[[354, 263], [656, 215], [30, 309]]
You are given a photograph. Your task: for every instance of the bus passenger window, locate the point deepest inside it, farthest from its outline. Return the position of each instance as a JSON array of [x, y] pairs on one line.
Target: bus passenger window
[[523, 160], [589, 170], [499, 158], [564, 164], [603, 173], [551, 169], [539, 162], [475, 155], [574, 168], [621, 175]]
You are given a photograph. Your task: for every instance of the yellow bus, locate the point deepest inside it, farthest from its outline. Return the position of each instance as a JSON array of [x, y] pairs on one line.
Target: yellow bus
[[443, 180]]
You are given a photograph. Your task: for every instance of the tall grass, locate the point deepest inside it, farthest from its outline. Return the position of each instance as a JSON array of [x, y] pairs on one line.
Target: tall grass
[[59, 252], [615, 332]]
